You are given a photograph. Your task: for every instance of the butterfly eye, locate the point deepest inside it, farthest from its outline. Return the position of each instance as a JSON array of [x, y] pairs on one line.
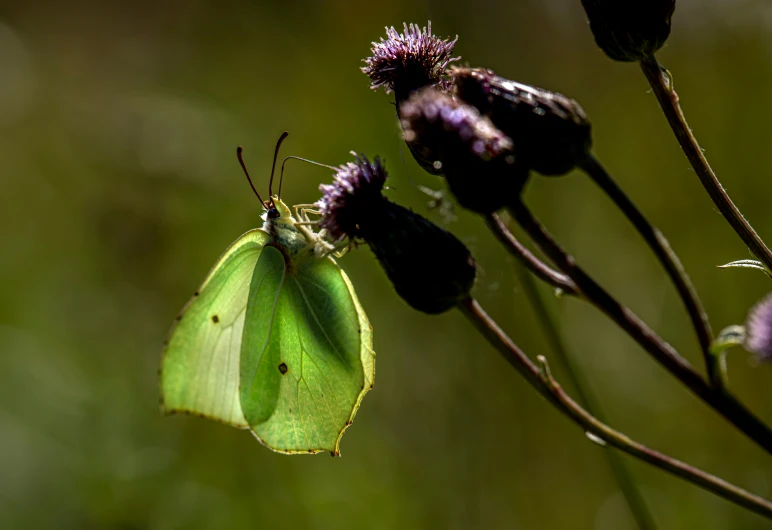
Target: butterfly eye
[[273, 213]]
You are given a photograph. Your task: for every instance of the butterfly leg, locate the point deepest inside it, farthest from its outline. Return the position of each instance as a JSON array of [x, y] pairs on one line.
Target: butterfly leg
[[300, 208], [302, 211]]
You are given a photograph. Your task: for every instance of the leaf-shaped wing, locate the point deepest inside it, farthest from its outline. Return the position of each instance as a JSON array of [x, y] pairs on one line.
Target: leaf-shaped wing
[[307, 357], [200, 364]]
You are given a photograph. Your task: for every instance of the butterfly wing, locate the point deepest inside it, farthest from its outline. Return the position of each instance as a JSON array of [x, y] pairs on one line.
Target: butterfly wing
[[307, 357], [200, 365]]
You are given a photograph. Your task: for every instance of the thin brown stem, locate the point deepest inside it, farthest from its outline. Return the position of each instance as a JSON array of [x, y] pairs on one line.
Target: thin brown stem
[[721, 401], [542, 271], [669, 260], [586, 398], [541, 379], [662, 84]]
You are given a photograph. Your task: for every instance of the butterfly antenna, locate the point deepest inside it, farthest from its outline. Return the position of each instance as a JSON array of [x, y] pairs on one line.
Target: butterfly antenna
[[239, 149], [273, 167], [281, 176]]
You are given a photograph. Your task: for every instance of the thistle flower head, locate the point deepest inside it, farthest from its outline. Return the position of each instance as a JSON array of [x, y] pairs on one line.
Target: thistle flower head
[[551, 132], [631, 30], [355, 188], [439, 125], [758, 329], [428, 266], [453, 139], [405, 62]]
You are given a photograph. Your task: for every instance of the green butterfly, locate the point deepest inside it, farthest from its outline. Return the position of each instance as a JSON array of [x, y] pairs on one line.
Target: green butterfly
[[275, 339]]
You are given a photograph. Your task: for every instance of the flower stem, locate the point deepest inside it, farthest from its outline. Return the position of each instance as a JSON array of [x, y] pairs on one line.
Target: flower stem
[[543, 271], [627, 485], [721, 401], [541, 379], [669, 260], [662, 84]]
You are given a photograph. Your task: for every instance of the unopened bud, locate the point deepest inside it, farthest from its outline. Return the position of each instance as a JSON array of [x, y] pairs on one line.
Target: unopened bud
[[629, 30], [551, 132]]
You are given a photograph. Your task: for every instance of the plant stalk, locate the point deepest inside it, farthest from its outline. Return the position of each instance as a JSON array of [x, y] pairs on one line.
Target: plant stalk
[[556, 279], [669, 260], [662, 84], [720, 400], [627, 485], [541, 379]]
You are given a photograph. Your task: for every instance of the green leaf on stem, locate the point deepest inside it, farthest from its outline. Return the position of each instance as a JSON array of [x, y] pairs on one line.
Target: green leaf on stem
[[747, 264], [728, 338]]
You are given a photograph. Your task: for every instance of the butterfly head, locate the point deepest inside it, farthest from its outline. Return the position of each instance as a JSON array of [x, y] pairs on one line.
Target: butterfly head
[[278, 221], [275, 211]]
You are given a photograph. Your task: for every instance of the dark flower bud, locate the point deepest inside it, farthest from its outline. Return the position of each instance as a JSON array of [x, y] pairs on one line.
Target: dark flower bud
[[404, 63], [551, 132], [629, 30], [758, 329], [428, 266], [476, 158]]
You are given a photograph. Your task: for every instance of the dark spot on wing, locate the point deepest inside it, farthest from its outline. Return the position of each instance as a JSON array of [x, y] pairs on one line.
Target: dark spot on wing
[[195, 294], [215, 319], [283, 369]]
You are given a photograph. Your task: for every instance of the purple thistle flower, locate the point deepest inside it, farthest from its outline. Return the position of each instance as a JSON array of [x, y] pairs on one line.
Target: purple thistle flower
[[355, 189], [430, 119], [404, 63], [429, 267], [758, 329], [453, 139]]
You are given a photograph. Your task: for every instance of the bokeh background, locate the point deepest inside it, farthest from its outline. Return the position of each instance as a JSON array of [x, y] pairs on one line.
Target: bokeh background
[[120, 187]]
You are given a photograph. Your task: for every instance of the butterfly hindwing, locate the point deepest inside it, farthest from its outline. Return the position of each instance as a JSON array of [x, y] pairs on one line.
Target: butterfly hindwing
[[307, 356]]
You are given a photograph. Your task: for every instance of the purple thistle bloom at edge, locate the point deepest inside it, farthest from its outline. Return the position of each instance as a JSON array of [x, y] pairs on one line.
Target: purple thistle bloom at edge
[[758, 329], [406, 62]]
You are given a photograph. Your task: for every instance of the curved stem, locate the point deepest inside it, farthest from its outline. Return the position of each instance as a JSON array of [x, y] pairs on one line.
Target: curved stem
[[627, 485], [721, 401], [541, 379], [662, 85], [666, 257], [543, 271]]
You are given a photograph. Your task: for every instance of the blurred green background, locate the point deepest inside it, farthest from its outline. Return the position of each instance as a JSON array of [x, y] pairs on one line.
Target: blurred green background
[[120, 187]]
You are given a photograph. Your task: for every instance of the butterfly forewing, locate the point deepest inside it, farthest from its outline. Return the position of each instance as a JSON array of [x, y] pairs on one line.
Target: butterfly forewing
[[200, 365]]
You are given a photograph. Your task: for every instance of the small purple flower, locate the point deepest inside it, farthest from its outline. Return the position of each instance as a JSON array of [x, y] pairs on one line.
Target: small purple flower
[[452, 139], [403, 63], [758, 329], [355, 189], [429, 267], [440, 124]]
